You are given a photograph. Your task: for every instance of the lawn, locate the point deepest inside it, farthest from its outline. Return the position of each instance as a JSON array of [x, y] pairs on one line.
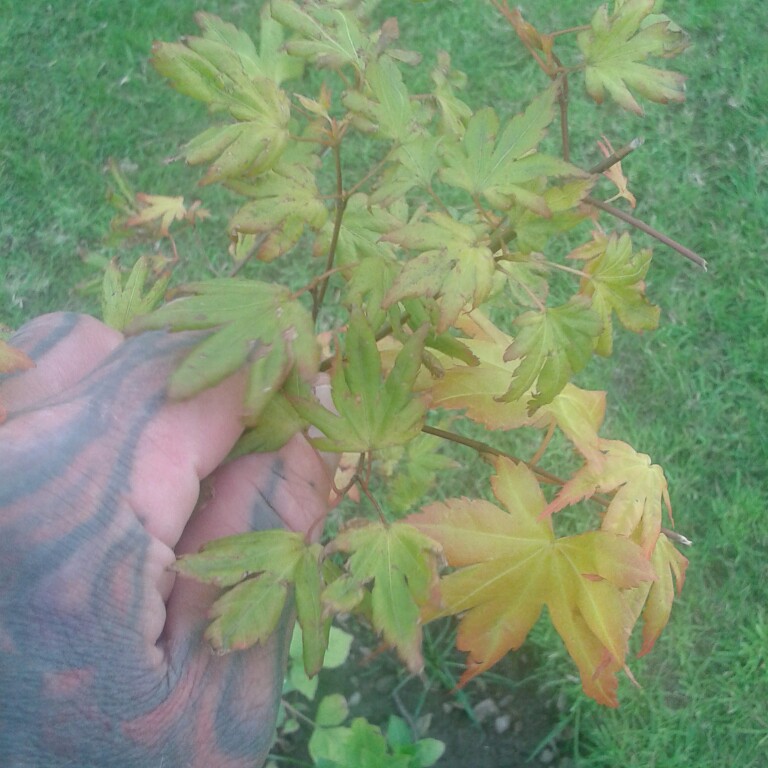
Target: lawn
[[77, 90]]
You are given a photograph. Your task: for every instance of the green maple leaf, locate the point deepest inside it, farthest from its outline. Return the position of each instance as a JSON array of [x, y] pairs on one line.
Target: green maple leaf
[[413, 164], [368, 285], [249, 147], [384, 105], [532, 232], [274, 62], [615, 284], [453, 267], [553, 345], [223, 70], [475, 388], [501, 167], [273, 428], [259, 569], [371, 413], [416, 472], [401, 565], [121, 303], [284, 203], [615, 47], [329, 37], [254, 323], [362, 227]]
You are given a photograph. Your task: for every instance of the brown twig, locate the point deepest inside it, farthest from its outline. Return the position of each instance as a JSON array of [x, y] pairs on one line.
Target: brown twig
[[481, 447], [341, 204], [616, 157], [649, 230]]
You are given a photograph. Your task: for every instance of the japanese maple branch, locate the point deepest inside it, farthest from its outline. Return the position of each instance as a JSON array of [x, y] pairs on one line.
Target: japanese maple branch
[[513, 17], [341, 204], [547, 477], [562, 100], [481, 447], [617, 156], [643, 227]]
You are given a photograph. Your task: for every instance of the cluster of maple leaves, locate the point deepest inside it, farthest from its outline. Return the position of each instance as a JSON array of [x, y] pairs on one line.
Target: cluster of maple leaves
[[452, 226]]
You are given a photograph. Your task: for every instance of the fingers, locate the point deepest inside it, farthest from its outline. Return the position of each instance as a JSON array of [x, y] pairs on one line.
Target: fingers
[[65, 347]]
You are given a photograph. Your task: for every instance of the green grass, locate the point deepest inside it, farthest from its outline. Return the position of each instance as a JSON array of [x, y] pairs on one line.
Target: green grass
[[694, 395]]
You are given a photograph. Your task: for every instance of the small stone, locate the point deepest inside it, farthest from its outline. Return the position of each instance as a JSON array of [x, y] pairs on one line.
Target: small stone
[[485, 709], [501, 723], [547, 756], [354, 699]]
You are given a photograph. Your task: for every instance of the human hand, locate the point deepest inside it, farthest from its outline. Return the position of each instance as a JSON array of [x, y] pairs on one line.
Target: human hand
[[102, 661]]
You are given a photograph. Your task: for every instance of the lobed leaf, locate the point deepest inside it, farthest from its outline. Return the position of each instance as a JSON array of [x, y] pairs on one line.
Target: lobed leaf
[[477, 386], [384, 103], [246, 614], [617, 45], [284, 203], [229, 560], [120, 304], [639, 488], [251, 323], [552, 346], [223, 69], [329, 37], [615, 285], [401, 565], [371, 413], [501, 167], [508, 565], [453, 268]]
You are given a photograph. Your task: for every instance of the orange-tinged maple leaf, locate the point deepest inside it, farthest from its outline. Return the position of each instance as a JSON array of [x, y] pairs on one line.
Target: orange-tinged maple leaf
[[509, 565], [616, 175], [577, 412], [12, 360], [640, 489], [164, 210], [667, 562]]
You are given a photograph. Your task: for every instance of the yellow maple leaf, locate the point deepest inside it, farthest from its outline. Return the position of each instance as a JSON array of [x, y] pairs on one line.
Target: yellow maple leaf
[[509, 565], [164, 210]]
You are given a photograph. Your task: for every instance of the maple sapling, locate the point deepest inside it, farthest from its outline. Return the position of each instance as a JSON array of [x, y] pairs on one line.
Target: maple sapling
[[437, 277]]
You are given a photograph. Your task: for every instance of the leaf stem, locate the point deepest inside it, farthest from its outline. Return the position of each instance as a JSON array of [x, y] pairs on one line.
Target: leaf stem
[[371, 173], [569, 270], [649, 230], [562, 100], [443, 207], [299, 715], [571, 30]]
